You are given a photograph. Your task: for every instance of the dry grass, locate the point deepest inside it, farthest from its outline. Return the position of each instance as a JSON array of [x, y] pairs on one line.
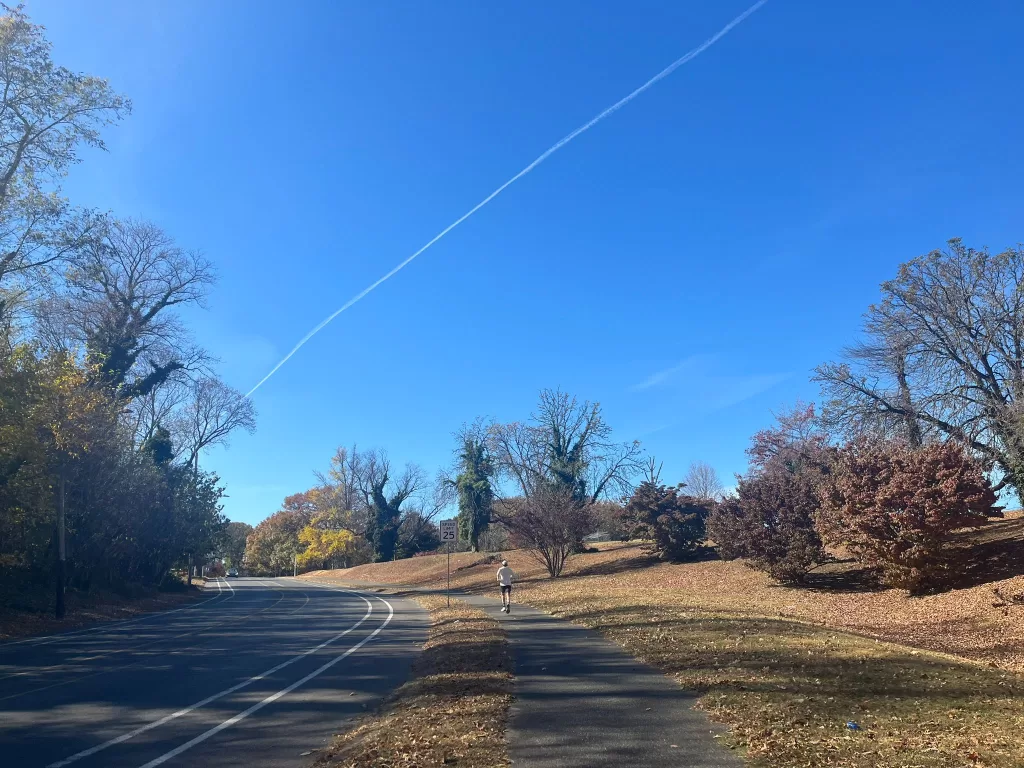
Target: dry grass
[[982, 622], [453, 711]]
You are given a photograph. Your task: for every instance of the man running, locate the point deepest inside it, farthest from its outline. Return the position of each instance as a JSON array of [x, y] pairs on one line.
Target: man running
[[505, 577]]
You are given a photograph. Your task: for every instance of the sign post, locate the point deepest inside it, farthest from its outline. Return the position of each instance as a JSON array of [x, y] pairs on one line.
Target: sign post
[[449, 535]]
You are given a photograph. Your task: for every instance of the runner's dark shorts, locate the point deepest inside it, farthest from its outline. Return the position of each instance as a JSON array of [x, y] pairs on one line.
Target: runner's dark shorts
[[506, 590]]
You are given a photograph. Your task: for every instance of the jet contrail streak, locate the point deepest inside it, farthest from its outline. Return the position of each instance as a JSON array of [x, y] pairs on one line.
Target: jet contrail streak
[[547, 153]]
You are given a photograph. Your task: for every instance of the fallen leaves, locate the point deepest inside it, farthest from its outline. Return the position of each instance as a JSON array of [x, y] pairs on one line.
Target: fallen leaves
[[454, 710]]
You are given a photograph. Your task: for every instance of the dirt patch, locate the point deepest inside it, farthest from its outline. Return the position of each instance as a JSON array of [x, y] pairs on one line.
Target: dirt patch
[[455, 709]]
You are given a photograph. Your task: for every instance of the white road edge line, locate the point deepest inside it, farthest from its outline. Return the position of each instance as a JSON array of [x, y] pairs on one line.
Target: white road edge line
[[181, 712], [274, 697]]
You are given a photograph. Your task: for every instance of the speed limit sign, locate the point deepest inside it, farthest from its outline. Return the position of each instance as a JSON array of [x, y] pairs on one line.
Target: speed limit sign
[[449, 531]]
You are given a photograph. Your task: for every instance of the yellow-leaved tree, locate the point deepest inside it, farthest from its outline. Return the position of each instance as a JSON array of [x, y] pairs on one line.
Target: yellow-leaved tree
[[329, 540]]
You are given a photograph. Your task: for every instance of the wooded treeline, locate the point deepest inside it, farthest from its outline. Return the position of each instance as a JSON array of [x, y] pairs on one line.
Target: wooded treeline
[[106, 402]]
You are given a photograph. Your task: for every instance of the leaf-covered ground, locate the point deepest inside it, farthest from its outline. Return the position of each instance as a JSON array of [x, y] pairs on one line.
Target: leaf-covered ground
[[788, 689], [453, 711], [925, 682]]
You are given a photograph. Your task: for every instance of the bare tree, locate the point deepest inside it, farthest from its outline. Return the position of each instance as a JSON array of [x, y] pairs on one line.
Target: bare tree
[[564, 452], [342, 482], [943, 358], [547, 523], [157, 408], [702, 482], [120, 302], [214, 411], [567, 444]]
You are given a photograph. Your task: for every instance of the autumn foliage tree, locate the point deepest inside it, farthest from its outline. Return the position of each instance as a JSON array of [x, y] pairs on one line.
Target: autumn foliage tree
[[328, 540], [894, 507], [274, 544]]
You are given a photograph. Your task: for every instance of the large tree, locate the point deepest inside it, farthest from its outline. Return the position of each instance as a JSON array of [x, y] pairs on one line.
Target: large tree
[[384, 493], [473, 486], [895, 507], [120, 301], [770, 521], [943, 358], [567, 445], [564, 455], [47, 112]]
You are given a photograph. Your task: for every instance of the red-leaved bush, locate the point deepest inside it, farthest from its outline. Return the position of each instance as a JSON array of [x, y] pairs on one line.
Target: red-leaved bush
[[894, 507], [770, 522]]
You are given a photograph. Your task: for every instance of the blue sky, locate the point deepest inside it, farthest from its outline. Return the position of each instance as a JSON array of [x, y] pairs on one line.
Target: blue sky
[[686, 262]]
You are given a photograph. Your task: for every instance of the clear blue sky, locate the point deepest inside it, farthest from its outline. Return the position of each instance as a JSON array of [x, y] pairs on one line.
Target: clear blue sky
[[686, 263]]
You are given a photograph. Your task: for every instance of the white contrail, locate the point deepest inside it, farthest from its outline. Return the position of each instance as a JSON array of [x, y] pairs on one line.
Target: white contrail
[[547, 153]]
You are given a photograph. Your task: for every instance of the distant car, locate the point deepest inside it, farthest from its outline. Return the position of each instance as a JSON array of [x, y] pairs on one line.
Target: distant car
[[233, 572]]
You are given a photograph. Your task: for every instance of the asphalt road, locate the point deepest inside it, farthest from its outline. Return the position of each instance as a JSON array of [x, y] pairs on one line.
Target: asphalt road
[[255, 675]]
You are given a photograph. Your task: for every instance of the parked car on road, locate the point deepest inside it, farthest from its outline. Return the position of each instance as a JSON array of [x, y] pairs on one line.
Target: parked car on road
[[232, 572]]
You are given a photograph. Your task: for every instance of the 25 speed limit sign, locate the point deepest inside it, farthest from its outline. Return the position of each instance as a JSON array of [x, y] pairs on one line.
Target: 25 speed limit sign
[[449, 531]]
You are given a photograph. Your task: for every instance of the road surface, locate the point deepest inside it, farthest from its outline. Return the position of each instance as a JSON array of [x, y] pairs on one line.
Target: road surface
[[257, 674]]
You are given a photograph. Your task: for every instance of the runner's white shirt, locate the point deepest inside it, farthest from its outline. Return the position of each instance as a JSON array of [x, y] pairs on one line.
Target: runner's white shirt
[[505, 576]]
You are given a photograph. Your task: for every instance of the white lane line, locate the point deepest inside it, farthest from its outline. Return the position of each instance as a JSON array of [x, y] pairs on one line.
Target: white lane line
[[48, 639], [272, 698], [167, 718]]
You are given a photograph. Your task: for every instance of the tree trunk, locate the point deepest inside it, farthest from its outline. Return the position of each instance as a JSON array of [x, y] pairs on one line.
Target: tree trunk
[[912, 426]]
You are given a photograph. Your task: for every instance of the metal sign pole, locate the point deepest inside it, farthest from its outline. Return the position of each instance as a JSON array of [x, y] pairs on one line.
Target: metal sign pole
[[449, 533]]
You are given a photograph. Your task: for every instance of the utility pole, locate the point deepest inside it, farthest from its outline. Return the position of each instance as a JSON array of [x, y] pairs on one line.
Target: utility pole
[[61, 551], [295, 565]]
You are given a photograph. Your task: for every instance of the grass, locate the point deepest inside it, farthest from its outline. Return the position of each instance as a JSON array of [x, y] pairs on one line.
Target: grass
[[453, 711]]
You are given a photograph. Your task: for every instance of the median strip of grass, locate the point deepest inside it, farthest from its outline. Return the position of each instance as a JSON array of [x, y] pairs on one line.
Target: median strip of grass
[[788, 690], [454, 709]]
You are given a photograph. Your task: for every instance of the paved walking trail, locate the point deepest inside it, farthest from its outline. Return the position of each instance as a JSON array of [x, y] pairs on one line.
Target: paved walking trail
[[582, 702]]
